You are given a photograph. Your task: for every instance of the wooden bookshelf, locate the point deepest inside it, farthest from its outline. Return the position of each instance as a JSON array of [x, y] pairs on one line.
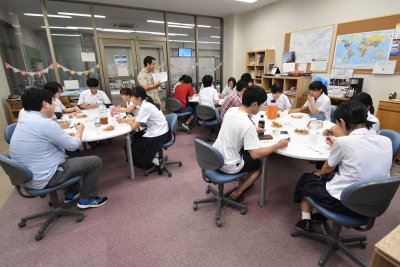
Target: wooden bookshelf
[[257, 63], [14, 106]]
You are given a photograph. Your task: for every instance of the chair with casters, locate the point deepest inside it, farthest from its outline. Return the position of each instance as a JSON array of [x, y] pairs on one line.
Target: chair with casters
[[369, 199], [173, 105], [333, 109], [8, 132], [394, 136], [210, 160], [20, 175], [163, 160], [208, 117]]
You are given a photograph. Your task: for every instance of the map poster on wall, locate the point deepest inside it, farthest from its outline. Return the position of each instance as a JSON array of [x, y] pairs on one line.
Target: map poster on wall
[[362, 50], [311, 45]]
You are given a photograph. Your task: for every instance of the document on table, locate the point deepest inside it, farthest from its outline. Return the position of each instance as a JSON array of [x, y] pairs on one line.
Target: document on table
[[160, 77]]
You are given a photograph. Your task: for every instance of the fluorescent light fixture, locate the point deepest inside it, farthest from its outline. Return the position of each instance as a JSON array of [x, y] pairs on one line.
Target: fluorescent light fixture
[[114, 30], [68, 28], [62, 34], [177, 34], [203, 26], [155, 21], [81, 15], [49, 15], [179, 26], [186, 41], [214, 36], [247, 1]]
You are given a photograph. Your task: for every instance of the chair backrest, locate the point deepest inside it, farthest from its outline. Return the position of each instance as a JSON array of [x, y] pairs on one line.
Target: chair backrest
[[370, 198], [333, 109], [173, 105], [208, 157], [394, 136], [8, 132], [172, 124], [204, 112], [18, 173]]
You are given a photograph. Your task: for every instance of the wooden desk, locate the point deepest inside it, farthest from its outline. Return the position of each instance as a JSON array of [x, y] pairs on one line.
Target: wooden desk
[[387, 252], [14, 106]]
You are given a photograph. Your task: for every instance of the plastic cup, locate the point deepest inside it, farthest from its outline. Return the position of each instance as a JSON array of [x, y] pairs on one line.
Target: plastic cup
[[276, 132]]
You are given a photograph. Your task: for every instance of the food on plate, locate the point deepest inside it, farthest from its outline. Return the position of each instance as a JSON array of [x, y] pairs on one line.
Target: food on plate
[[81, 115], [108, 128], [301, 131], [296, 116], [276, 124]]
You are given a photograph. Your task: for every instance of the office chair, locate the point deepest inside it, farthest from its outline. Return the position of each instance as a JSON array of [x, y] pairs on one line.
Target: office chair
[[369, 199], [210, 160], [20, 175], [173, 105], [163, 160], [333, 109], [208, 117], [8, 132], [394, 136]]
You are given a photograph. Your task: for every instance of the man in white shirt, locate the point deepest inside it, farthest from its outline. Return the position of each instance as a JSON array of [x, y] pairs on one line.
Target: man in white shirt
[[208, 95], [91, 97], [238, 140]]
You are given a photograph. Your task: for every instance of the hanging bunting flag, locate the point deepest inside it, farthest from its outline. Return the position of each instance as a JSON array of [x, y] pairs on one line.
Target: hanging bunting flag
[[59, 66], [72, 72], [97, 66], [65, 69], [23, 73], [79, 73], [51, 66], [15, 69], [32, 74], [8, 66], [39, 73], [46, 70]]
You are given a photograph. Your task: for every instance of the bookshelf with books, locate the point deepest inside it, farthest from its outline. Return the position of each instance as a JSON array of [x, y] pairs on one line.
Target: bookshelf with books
[[257, 63]]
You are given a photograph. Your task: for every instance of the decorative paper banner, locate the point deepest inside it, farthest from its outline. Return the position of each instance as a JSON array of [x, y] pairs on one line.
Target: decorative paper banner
[[51, 67]]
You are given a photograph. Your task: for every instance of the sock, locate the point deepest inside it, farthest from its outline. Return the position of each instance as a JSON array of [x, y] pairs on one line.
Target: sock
[[305, 215]]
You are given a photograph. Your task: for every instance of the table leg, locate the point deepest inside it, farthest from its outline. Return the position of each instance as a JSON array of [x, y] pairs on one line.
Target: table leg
[[129, 152], [263, 181]]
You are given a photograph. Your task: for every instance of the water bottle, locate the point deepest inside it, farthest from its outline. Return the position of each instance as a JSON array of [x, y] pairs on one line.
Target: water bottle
[[103, 114], [261, 122], [272, 110], [97, 121]]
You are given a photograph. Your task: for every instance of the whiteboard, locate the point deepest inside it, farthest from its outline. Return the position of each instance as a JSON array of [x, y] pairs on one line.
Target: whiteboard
[[186, 65]]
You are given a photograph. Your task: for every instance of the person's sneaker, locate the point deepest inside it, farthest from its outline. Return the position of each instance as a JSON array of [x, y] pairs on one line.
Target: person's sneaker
[[94, 202], [306, 225], [318, 218], [68, 196], [186, 127], [239, 199]]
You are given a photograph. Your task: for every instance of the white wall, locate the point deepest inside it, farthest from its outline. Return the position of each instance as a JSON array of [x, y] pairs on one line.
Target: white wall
[[266, 28]]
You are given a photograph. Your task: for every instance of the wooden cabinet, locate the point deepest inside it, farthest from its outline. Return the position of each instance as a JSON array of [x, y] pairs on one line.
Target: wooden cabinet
[[389, 114], [257, 63], [387, 252], [293, 87], [14, 106]]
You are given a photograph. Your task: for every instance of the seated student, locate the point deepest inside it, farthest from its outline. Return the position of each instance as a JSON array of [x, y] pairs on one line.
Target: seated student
[[182, 93], [366, 100], [318, 102], [230, 87], [235, 98], [238, 140], [282, 101], [56, 90], [91, 97], [208, 95], [39, 144], [179, 82], [145, 148], [360, 154], [247, 77], [127, 97]]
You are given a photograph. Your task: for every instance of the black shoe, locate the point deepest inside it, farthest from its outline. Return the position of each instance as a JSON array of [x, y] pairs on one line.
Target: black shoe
[[239, 199], [306, 225], [318, 218]]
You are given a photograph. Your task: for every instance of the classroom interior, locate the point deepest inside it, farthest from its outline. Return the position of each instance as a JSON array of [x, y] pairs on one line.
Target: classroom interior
[[149, 221]]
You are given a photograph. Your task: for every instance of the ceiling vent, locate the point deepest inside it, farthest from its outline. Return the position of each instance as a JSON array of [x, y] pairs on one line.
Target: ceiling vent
[[124, 25]]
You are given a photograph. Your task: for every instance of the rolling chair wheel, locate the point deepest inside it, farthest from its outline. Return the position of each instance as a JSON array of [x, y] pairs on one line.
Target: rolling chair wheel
[[39, 236], [21, 224], [180, 164], [363, 244], [194, 206], [243, 211], [79, 218], [219, 223], [146, 174], [169, 174], [189, 132], [208, 190]]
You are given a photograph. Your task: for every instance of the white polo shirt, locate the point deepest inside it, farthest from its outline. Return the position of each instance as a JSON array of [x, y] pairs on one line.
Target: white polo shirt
[[376, 126], [237, 131], [207, 96], [322, 104], [87, 97], [282, 102], [154, 118], [363, 155], [58, 105]]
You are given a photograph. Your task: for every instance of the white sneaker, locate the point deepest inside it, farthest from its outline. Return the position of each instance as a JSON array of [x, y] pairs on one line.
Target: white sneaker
[[186, 127]]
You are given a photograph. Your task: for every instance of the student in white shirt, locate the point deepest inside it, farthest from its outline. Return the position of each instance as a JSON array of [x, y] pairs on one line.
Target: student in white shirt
[[366, 100], [56, 90], [318, 102], [230, 87], [361, 154], [238, 140], [127, 97], [282, 101], [90, 97], [208, 95], [145, 148]]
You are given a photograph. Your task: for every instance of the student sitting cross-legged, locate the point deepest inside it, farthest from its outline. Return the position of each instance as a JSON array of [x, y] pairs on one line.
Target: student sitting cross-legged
[[238, 140]]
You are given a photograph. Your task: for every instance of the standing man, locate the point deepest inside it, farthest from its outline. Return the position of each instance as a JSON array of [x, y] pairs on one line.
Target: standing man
[[39, 144], [145, 78]]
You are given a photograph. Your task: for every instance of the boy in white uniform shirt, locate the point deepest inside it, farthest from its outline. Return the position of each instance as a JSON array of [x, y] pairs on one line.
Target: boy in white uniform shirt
[[282, 101], [90, 97], [208, 95], [361, 154]]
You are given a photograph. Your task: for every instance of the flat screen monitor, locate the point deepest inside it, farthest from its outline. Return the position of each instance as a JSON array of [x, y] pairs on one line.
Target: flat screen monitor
[[185, 52]]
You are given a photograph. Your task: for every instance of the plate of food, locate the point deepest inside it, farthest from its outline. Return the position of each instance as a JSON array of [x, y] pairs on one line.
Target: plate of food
[[276, 124], [302, 131], [297, 116], [81, 115], [109, 128]]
